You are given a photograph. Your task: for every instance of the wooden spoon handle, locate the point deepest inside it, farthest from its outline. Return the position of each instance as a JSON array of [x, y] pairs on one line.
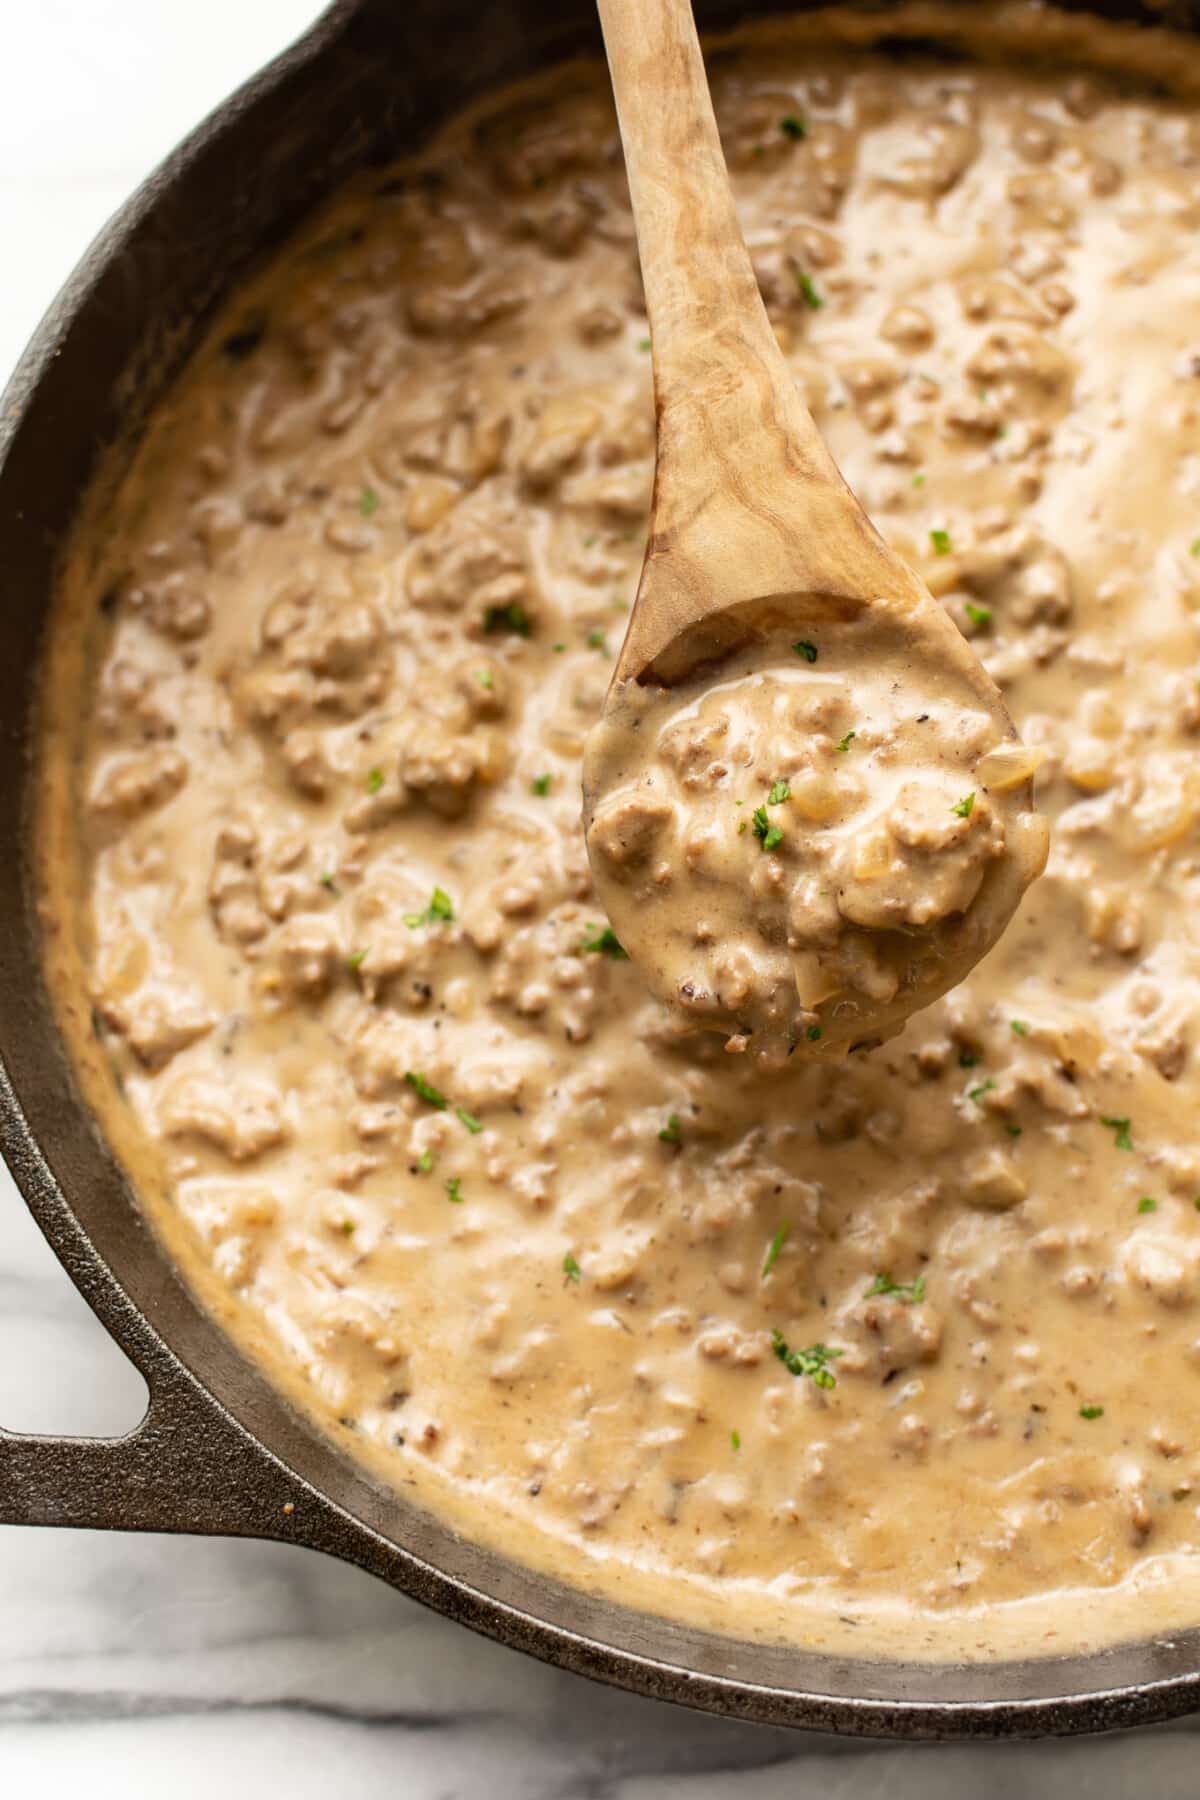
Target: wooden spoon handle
[[727, 403]]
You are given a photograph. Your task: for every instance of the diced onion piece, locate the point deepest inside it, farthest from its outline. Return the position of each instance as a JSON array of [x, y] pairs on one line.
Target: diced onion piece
[[1008, 765], [814, 984], [816, 797], [872, 855]]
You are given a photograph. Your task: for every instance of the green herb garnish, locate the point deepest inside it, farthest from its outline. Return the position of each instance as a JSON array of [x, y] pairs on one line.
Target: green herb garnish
[[979, 616], [606, 942], [774, 1247], [672, 1131], [1020, 1027], [595, 640], [735, 1438], [911, 1292], [454, 1189], [780, 792], [808, 288], [368, 502], [807, 650], [1147, 1204], [425, 1161], [571, 1268], [1123, 1140], [440, 911], [794, 127], [813, 1033], [643, 343], [425, 1090], [327, 881], [767, 834], [512, 617], [964, 807], [845, 743], [940, 540], [812, 1362], [918, 479], [540, 784], [967, 1061], [1091, 1412], [977, 1093], [374, 780], [472, 1124], [355, 959], [484, 678]]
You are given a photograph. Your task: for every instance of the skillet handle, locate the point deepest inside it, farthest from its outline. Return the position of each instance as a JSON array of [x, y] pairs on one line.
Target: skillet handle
[[187, 1467]]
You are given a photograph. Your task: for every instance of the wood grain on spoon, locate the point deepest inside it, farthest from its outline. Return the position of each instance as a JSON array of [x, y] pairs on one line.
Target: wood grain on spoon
[[752, 526]]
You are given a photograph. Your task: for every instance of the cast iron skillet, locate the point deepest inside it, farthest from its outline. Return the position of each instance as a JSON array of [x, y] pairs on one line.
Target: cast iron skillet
[[218, 1450]]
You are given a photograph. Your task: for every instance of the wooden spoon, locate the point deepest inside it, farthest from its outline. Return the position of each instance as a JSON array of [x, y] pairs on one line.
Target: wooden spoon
[[753, 533], [751, 521]]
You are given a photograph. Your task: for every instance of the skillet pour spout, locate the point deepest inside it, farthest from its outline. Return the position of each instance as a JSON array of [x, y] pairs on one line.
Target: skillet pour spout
[[219, 1450]]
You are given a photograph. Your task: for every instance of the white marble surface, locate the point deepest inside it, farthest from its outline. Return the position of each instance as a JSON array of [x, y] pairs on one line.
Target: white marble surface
[[146, 1667]]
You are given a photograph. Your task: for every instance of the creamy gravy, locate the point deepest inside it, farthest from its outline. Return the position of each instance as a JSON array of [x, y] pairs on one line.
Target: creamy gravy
[[804, 846], [902, 1353]]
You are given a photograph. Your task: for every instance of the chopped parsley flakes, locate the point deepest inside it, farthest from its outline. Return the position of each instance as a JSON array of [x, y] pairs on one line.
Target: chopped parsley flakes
[[374, 780], [606, 942], [977, 1093], [813, 1033], [425, 1161], [355, 959], [964, 807], [472, 1124], [808, 288], [1020, 1027], [807, 650], [918, 479], [735, 1438], [813, 1362], [767, 834], [940, 539], [540, 784], [454, 1189], [1123, 1139], [911, 1292], [440, 911], [425, 1090], [774, 1247], [845, 743], [980, 616], [794, 126], [571, 1268], [780, 791], [512, 617], [1091, 1412], [368, 502], [1147, 1204], [484, 678], [672, 1131], [596, 640], [643, 343]]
